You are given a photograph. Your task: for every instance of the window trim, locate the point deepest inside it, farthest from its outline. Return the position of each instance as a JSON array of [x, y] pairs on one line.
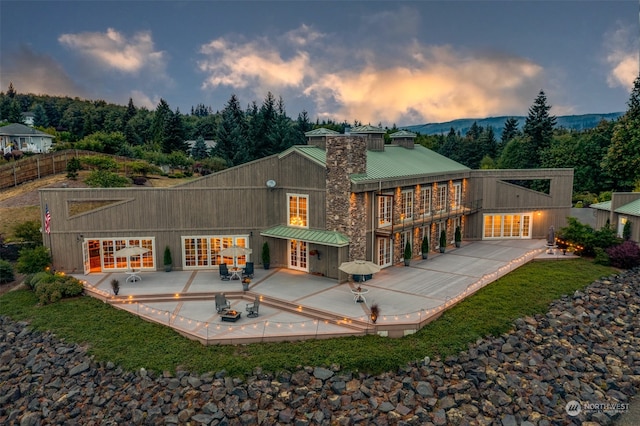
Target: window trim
[[305, 218]]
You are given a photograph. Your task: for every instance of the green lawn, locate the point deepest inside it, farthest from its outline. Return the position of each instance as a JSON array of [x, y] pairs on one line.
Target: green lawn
[[114, 335]]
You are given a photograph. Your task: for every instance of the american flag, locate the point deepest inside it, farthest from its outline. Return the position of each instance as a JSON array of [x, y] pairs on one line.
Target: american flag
[[47, 219]]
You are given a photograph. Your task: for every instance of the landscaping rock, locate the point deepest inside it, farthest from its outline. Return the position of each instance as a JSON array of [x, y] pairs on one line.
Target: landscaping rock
[[584, 349]]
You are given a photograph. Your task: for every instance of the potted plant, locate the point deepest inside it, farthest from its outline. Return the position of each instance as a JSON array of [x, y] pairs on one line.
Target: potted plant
[[374, 312], [245, 283], [266, 256], [458, 236], [443, 240], [168, 261], [407, 254], [115, 286], [425, 247]]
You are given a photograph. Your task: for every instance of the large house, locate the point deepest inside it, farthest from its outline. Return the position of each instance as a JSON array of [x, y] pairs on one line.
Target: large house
[[622, 208], [341, 197], [24, 138]]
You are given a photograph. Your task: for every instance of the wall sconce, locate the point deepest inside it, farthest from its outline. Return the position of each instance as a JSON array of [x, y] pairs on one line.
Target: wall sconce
[[79, 238], [315, 253]]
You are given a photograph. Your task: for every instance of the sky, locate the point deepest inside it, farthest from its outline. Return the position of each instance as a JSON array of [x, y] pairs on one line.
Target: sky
[[377, 62]]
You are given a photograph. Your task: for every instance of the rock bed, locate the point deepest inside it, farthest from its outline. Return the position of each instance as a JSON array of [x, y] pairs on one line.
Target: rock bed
[[584, 349]]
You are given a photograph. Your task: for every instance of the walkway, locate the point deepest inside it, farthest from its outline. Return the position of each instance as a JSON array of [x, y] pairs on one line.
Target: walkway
[[299, 306]]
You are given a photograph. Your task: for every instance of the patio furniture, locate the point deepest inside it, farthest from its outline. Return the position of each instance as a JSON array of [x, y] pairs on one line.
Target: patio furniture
[[358, 295], [133, 276], [222, 304], [236, 273], [248, 270], [230, 316], [252, 308], [224, 272]]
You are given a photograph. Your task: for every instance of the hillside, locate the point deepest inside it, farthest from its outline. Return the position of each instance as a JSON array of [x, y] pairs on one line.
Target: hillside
[[573, 122]]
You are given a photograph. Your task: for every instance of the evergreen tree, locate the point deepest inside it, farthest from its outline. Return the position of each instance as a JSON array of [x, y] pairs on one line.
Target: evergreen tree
[[539, 128], [232, 134], [11, 92], [130, 112], [40, 116], [303, 126], [622, 160], [160, 122], [199, 150], [510, 130], [15, 112], [262, 127], [174, 140]]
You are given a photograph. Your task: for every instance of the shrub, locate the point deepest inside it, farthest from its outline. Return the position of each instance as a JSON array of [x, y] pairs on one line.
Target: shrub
[[407, 251], [73, 167], [34, 280], [106, 179], [601, 257], [167, 256], [625, 255], [142, 168], [58, 287], [28, 231], [425, 244], [31, 261], [6, 272], [98, 162], [443, 238], [626, 231]]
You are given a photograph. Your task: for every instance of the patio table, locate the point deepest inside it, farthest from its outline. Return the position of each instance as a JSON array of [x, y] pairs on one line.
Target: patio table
[[236, 273], [133, 276], [358, 295]]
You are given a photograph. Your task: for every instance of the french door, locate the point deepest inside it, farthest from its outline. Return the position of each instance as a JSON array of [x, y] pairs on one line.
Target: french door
[[298, 255]]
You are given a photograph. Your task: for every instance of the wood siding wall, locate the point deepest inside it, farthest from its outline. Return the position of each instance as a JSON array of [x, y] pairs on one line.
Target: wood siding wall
[[233, 202], [501, 197]]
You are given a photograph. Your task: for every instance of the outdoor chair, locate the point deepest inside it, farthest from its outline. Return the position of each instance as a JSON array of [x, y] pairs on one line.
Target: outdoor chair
[[252, 308], [225, 275], [222, 304], [248, 270]]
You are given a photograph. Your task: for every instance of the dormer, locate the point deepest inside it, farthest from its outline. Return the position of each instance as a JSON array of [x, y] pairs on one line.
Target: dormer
[[403, 138]]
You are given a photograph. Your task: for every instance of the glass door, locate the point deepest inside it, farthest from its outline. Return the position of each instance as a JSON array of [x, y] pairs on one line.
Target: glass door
[[298, 255]]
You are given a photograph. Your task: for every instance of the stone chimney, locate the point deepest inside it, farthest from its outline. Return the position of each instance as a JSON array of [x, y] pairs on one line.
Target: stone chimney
[[346, 155]]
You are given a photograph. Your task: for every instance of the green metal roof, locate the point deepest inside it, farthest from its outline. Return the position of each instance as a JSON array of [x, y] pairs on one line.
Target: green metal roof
[[316, 236], [605, 205], [392, 163], [633, 208], [402, 134], [367, 129], [321, 131]]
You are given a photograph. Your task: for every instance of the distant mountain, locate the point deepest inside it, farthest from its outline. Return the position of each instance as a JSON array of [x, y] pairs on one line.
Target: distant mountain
[[573, 122]]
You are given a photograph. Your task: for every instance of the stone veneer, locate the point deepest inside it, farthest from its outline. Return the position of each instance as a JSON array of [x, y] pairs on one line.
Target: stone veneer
[[346, 155]]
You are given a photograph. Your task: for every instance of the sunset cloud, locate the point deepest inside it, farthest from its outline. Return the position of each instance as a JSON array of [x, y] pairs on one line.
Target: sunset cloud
[[622, 57], [419, 82]]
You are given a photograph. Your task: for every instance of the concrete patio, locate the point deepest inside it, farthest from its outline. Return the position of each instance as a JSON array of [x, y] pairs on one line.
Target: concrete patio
[[295, 305]]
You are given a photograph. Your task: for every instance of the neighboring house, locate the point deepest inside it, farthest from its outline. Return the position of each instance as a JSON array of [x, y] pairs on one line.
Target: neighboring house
[[28, 118], [210, 144], [24, 138], [339, 198], [624, 207]]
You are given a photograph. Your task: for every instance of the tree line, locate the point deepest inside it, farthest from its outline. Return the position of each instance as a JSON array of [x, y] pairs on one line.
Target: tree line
[[605, 158]]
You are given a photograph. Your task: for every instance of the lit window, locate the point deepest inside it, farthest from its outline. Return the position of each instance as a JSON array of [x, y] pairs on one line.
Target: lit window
[[407, 204], [384, 210], [298, 210], [441, 202], [426, 201], [457, 196]]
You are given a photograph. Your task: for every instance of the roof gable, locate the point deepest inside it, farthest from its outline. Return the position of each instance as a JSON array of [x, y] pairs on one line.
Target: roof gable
[[633, 208], [20, 129]]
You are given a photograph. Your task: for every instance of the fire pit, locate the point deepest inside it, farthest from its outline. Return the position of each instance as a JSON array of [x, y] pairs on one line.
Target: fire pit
[[231, 316]]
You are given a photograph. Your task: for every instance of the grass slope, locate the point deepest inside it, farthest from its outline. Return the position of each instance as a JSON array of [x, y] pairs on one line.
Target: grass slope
[[114, 335]]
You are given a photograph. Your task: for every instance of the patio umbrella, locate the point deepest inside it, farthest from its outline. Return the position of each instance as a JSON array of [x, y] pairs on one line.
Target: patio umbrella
[[130, 251], [552, 236], [235, 252], [359, 267]]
